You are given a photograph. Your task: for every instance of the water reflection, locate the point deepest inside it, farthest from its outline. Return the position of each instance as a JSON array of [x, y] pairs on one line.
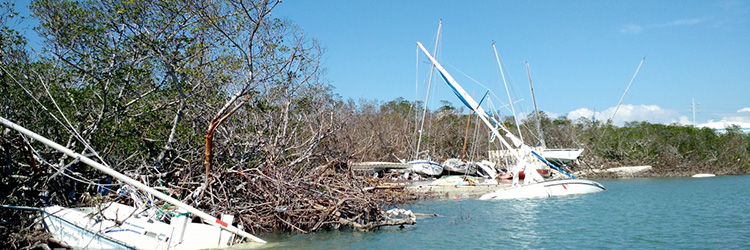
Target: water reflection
[[522, 219]]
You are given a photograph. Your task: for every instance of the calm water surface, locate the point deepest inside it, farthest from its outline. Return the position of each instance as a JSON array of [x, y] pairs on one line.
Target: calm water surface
[[677, 213]]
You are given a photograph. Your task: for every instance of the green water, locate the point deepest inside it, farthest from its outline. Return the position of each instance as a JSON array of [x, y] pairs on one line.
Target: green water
[[677, 213]]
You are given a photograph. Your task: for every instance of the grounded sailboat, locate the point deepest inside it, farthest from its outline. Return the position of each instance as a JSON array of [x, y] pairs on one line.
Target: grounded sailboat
[[534, 185], [546, 189], [118, 226], [425, 166], [458, 166]]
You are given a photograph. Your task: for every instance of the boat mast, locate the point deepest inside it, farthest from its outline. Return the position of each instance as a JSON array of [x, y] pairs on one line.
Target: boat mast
[[536, 111], [424, 110], [626, 90], [206, 217], [488, 120], [502, 75], [472, 104], [466, 136], [694, 112]]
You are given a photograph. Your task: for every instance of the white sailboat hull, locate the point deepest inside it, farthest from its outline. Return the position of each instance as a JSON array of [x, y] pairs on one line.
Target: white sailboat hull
[[69, 226], [567, 154], [123, 227], [546, 189], [425, 167], [80, 230]]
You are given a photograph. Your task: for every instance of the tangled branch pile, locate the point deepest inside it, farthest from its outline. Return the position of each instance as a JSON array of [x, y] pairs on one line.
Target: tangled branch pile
[[326, 197], [215, 102]]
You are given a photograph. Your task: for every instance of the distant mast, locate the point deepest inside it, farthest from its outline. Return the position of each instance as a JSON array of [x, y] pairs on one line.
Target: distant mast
[[626, 90], [424, 110], [512, 109], [694, 112], [536, 111]]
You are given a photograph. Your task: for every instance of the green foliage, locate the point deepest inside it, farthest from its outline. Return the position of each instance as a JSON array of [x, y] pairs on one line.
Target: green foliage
[[669, 148], [399, 107]]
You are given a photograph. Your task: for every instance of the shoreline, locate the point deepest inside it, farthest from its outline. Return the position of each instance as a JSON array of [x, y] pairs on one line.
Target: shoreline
[[458, 189]]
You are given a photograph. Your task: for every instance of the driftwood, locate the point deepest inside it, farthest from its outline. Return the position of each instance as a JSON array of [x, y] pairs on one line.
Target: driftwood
[[376, 224], [275, 198]]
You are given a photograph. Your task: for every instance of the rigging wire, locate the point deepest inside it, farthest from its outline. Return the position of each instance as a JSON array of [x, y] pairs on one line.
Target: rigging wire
[[68, 127], [61, 170]]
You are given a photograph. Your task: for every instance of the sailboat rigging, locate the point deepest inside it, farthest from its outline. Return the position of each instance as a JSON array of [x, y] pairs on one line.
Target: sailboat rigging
[[536, 110], [427, 97], [426, 166], [512, 107], [534, 185]]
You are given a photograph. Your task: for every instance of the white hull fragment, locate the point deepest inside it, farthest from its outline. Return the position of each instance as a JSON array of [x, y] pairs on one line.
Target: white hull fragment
[[70, 226], [118, 226], [546, 189], [703, 175]]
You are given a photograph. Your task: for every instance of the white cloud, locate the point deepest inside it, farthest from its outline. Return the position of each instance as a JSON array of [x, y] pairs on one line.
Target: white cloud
[[552, 115], [631, 29], [583, 112], [629, 113], [723, 124], [656, 114], [737, 118], [635, 28], [742, 120], [684, 120], [682, 22]]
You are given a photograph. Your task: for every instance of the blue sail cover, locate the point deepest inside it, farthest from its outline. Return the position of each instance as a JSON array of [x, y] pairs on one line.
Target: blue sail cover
[[469, 101], [474, 106]]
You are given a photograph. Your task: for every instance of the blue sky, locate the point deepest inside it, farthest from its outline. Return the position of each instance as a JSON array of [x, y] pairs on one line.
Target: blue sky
[[582, 54]]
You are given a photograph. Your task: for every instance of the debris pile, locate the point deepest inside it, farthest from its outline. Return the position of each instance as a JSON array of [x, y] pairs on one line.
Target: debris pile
[[281, 198]]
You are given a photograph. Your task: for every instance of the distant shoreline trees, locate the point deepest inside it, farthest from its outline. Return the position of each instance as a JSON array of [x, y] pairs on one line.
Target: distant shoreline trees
[[672, 150]]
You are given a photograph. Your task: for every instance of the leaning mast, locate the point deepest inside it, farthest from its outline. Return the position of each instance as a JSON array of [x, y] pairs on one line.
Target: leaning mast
[[512, 109], [536, 111]]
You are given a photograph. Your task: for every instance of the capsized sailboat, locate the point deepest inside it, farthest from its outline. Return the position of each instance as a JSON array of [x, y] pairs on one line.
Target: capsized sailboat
[[533, 184], [117, 226]]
